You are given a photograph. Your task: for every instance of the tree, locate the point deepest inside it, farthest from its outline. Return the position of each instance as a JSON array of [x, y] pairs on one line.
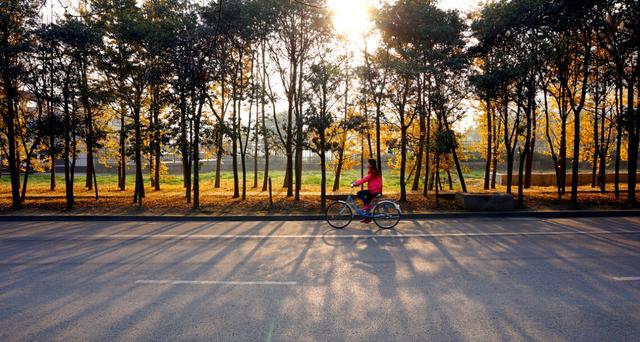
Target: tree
[[324, 81], [430, 42], [300, 26], [127, 35], [17, 18]]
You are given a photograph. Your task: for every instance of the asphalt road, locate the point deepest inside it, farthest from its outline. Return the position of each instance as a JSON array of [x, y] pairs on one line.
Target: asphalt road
[[471, 279]]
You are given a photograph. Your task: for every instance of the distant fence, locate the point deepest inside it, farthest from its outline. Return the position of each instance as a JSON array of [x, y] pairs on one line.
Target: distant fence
[[549, 179]]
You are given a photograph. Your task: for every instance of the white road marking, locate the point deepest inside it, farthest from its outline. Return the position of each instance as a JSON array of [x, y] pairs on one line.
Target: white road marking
[[626, 278], [213, 282], [308, 236]]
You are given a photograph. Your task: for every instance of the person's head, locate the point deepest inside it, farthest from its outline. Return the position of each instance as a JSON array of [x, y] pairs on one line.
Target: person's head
[[373, 167]]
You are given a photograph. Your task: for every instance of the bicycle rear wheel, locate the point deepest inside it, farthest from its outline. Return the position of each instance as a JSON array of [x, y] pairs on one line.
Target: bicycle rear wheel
[[386, 215], [338, 215]]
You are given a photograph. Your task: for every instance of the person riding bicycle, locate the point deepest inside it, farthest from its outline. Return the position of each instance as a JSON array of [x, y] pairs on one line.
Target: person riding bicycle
[[374, 185]]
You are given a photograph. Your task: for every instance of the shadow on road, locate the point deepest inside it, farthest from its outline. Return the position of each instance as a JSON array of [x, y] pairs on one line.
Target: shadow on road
[[355, 282]]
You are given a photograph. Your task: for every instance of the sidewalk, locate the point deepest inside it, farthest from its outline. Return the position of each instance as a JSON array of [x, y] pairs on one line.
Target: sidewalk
[[200, 217]]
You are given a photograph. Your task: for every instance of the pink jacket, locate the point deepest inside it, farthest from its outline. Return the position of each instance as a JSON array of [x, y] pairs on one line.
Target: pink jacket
[[375, 183]]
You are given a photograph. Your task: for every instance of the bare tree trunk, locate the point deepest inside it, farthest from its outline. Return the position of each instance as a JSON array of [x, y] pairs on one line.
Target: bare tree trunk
[[526, 151], [68, 181], [603, 154], [616, 177], [255, 150], [52, 154], [528, 169], [122, 167], [456, 161], [139, 183], [265, 136], [378, 142], [632, 150], [487, 169], [299, 133], [323, 173], [196, 155], [403, 161], [427, 166], [596, 147], [437, 179], [336, 179], [561, 160], [423, 128], [220, 132], [236, 132], [336, 182]]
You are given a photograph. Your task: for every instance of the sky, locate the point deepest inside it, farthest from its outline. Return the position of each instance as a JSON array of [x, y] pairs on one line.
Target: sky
[[462, 5]]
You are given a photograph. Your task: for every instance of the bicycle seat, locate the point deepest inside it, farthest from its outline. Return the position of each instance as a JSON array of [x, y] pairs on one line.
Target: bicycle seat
[[379, 195]]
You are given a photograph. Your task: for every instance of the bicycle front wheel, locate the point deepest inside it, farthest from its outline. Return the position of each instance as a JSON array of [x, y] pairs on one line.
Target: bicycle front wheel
[[386, 215], [338, 215]]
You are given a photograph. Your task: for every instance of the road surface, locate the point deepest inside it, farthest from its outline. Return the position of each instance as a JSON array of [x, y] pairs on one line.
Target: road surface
[[466, 279]]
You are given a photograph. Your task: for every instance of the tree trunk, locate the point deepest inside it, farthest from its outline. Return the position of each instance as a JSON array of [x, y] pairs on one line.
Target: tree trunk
[[90, 140], [416, 178], [437, 179], [255, 150], [524, 155], [523, 158], [67, 167], [378, 142], [218, 160], [456, 161], [403, 161], [122, 167], [596, 147], [23, 196], [157, 156], [528, 169], [427, 166], [234, 137], [336, 180], [156, 146], [487, 168], [9, 121], [265, 136], [220, 132], [563, 158], [299, 133], [196, 155], [632, 150], [603, 154], [323, 173], [52, 154], [616, 179], [139, 184], [616, 176]]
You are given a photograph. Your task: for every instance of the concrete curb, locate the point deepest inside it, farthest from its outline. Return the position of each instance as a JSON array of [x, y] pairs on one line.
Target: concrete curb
[[422, 216]]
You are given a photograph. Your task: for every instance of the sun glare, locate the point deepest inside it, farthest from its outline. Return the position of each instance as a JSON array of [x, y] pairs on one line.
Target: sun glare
[[351, 18]]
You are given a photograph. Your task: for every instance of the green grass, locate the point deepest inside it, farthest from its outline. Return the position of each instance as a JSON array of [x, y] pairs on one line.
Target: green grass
[[309, 177]]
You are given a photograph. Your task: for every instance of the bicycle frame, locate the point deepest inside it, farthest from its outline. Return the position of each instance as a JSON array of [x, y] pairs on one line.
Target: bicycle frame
[[352, 203]]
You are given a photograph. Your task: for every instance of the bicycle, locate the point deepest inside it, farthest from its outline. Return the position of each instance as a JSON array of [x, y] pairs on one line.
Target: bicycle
[[385, 213]]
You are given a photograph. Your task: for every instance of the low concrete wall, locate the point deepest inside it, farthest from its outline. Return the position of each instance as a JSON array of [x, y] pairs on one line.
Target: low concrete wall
[[549, 179], [492, 201]]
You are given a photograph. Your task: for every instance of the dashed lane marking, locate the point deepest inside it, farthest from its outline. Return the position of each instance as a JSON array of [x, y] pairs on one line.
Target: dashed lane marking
[[212, 282], [626, 278]]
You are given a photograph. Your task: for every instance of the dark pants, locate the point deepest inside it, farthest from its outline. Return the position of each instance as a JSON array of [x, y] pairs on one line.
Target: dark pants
[[366, 196]]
